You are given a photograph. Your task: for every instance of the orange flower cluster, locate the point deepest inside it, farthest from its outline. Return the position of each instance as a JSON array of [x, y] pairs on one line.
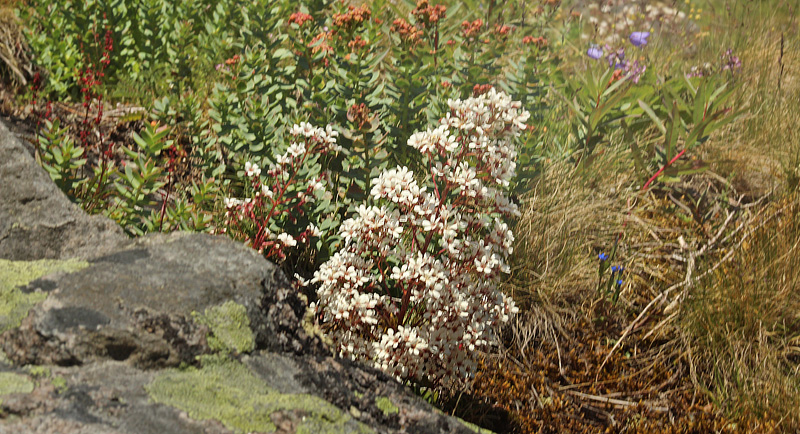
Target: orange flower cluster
[[320, 43], [503, 30], [299, 18], [232, 61], [407, 32], [357, 43], [480, 89], [428, 15], [540, 42], [353, 18], [615, 76], [472, 29]]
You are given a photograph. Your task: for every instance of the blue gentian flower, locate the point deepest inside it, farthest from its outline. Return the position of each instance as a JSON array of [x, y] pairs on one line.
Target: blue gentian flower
[[639, 39], [594, 52], [619, 282], [602, 256], [614, 269]]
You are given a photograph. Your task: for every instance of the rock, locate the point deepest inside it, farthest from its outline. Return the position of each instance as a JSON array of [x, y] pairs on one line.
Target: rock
[[37, 221], [179, 333], [150, 303]]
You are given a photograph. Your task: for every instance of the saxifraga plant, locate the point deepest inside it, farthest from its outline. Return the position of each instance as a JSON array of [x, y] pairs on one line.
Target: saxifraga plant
[[414, 289]]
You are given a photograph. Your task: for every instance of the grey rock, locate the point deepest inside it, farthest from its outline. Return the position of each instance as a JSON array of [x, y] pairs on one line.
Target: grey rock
[[137, 304], [37, 221]]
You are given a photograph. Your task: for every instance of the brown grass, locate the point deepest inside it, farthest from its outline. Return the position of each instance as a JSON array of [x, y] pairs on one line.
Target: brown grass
[[722, 352], [15, 62], [743, 325]]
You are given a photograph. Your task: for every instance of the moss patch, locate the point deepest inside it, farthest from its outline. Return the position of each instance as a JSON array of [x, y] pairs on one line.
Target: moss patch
[[230, 328], [227, 391], [38, 371], [14, 383], [386, 406], [60, 383], [15, 304]]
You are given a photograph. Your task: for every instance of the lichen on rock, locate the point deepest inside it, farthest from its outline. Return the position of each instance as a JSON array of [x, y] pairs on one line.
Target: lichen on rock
[[14, 303], [225, 390], [230, 328], [14, 383], [386, 405]]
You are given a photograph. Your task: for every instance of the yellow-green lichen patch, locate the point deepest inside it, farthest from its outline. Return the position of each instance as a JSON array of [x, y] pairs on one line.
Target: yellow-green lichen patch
[[230, 328], [38, 371], [386, 406], [14, 383], [18, 273], [225, 390], [60, 383], [15, 304]]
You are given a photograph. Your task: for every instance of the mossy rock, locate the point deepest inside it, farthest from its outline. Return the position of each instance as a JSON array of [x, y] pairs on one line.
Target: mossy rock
[[14, 383], [386, 406], [14, 303], [225, 390], [230, 328]]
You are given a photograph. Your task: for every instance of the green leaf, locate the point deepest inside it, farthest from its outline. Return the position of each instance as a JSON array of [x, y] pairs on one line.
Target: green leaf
[[672, 133], [653, 116]]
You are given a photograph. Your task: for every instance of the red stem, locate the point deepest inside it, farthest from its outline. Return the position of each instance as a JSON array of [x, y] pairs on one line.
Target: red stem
[[647, 184]]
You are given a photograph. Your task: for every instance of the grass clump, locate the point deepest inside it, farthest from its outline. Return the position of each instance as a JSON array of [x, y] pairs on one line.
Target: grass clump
[[742, 326]]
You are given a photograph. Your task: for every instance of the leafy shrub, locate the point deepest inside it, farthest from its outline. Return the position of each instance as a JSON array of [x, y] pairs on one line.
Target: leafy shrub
[[655, 116], [414, 288], [163, 46], [273, 216]]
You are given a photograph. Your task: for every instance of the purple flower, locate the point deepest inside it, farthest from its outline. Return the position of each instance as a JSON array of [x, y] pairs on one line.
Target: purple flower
[[732, 62], [595, 52], [602, 256], [636, 69], [616, 59], [639, 39]]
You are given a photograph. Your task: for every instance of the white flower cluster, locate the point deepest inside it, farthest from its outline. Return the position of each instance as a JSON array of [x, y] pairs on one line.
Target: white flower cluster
[[414, 290]]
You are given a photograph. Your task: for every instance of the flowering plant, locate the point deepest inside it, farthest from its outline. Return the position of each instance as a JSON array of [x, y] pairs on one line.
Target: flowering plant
[[414, 289], [281, 199]]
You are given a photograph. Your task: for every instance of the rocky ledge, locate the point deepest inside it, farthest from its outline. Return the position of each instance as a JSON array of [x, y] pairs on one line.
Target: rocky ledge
[[179, 333]]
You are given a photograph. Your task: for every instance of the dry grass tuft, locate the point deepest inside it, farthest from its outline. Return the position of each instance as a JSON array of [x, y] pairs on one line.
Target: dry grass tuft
[[564, 220], [15, 62], [742, 323], [763, 151]]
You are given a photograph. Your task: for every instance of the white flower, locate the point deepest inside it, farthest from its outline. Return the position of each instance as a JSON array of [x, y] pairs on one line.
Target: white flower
[[296, 149], [287, 240], [232, 202], [300, 280], [251, 169], [314, 230]]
